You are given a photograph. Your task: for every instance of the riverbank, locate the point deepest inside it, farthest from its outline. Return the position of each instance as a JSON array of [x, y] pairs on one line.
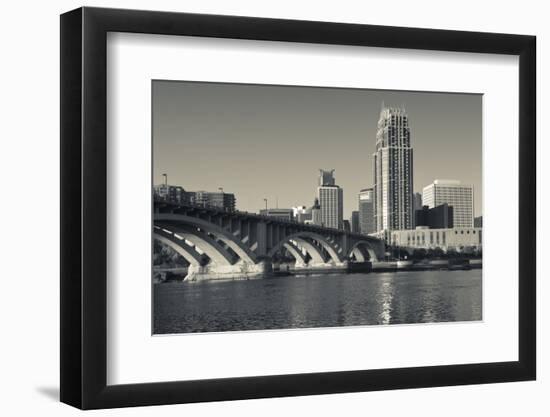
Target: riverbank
[[163, 275]]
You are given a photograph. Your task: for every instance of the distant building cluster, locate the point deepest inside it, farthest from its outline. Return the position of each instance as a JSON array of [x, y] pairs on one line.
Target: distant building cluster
[[442, 216], [178, 195]]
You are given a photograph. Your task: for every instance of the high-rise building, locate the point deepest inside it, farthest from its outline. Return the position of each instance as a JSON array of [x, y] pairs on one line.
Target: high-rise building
[[326, 177], [354, 221], [393, 172], [366, 211], [331, 200], [460, 197]]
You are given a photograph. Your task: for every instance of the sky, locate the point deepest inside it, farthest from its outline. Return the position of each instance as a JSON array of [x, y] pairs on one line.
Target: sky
[[264, 141]]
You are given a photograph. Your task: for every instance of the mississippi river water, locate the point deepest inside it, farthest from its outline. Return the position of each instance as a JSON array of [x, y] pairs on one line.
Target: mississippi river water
[[318, 301]]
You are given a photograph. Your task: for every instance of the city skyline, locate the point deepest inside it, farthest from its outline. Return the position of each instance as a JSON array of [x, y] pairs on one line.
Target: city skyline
[[203, 142]]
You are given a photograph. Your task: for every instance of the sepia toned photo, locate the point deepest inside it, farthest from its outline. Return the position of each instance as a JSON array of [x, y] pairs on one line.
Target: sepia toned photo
[[284, 207]]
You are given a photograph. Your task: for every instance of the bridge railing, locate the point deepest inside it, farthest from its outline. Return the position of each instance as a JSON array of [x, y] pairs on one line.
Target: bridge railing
[[222, 210]]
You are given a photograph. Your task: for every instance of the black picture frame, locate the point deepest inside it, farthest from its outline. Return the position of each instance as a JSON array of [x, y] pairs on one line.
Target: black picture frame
[[84, 207]]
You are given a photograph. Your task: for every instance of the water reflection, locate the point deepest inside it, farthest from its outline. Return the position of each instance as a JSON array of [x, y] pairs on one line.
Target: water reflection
[[318, 301]]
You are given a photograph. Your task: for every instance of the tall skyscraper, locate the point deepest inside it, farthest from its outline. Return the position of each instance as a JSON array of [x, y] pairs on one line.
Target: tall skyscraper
[[366, 211], [460, 197], [331, 200], [393, 171]]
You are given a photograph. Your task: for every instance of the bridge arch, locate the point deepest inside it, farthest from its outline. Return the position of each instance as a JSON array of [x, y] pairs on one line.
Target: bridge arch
[[209, 246], [304, 238], [360, 246], [173, 219], [187, 252], [295, 252]]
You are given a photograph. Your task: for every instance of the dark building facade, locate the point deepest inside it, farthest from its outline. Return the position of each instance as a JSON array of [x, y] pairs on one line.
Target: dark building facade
[[440, 217], [171, 193], [347, 225], [478, 221], [221, 200], [354, 221]]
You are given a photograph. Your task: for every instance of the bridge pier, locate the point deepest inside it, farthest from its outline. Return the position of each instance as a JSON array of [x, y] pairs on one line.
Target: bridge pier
[[321, 267], [240, 270]]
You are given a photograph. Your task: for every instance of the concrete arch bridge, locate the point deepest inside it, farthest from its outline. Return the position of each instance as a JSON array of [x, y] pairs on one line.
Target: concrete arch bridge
[[219, 244]]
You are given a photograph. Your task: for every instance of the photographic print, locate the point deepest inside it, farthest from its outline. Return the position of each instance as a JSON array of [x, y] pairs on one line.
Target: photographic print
[[284, 207]]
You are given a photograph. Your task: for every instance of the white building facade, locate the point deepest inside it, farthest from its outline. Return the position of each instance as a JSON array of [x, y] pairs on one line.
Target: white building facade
[[425, 238], [393, 172], [455, 194]]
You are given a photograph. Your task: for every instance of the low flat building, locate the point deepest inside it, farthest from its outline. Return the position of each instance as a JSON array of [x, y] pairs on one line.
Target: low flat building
[[280, 213], [425, 238]]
